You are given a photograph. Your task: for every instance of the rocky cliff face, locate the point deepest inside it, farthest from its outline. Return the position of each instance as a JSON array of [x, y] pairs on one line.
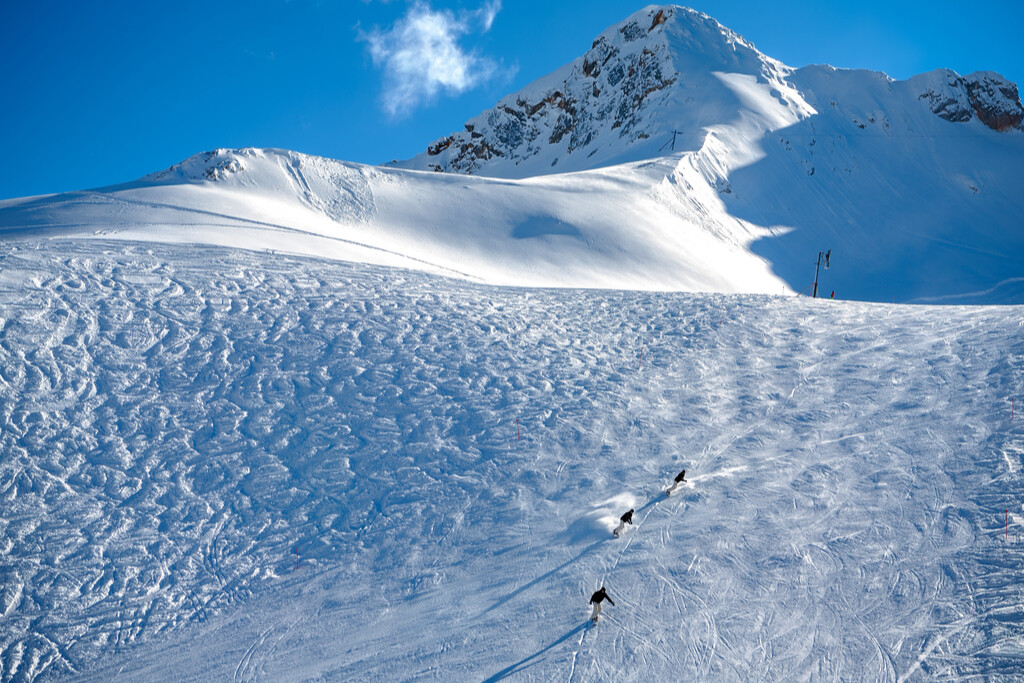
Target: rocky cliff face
[[995, 100], [605, 90], [985, 94]]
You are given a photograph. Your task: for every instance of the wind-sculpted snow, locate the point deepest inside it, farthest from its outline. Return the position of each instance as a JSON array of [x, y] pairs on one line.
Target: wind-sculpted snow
[[180, 427]]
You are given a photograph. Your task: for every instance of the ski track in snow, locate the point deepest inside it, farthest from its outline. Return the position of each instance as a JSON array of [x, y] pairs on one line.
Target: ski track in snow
[[177, 421]]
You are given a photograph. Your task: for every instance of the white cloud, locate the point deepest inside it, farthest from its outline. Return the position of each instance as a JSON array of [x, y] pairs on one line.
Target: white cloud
[[421, 56], [488, 12]]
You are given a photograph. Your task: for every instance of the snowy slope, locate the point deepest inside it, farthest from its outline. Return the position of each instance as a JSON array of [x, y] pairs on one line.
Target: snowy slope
[[909, 201], [178, 421], [242, 463], [607, 228]]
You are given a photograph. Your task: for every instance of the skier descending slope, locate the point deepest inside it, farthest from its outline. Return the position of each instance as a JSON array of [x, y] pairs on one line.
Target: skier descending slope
[[680, 478], [596, 600], [623, 521]]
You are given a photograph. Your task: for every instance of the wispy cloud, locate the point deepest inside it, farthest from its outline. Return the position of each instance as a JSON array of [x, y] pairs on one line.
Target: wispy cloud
[[487, 13], [421, 56]]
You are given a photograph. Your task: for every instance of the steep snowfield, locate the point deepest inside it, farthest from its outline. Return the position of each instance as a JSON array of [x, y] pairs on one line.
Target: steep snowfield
[[176, 422], [914, 206]]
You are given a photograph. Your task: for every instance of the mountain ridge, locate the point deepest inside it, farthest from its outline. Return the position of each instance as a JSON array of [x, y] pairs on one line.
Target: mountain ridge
[[642, 62], [711, 167]]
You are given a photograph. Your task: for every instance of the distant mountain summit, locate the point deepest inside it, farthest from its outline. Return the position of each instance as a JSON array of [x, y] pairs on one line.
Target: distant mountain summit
[[646, 85], [653, 84]]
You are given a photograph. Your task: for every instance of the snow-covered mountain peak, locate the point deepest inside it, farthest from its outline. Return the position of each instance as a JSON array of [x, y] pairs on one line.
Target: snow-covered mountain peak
[[697, 41], [643, 82], [662, 79]]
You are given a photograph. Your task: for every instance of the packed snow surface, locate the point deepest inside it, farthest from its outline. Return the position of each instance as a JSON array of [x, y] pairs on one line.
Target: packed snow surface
[[230, 465]]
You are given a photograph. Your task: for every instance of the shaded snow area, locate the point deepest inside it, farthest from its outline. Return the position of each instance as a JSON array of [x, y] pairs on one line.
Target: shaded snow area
[[225, 465]]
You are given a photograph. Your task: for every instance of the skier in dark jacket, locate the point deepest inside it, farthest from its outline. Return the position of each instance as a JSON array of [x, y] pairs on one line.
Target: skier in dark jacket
[[596, 599], [623, 521], [680, 478]]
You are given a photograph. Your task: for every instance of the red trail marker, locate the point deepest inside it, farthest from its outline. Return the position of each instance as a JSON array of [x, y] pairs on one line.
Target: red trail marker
[[517, 429]]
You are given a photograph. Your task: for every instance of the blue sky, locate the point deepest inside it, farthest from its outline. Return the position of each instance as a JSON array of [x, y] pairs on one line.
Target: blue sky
[[100, 93]]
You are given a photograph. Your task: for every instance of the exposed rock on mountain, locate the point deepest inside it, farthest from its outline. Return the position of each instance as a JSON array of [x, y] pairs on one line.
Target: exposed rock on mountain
[[985, 94], [640, 81], [658, 81]]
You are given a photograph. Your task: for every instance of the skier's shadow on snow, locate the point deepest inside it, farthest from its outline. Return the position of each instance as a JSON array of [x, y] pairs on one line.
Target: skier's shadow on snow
[[660, 497], [590, 548], [501, 601], [534, 658]]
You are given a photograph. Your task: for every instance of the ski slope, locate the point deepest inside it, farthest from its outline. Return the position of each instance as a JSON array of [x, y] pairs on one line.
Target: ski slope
[[230, 465]]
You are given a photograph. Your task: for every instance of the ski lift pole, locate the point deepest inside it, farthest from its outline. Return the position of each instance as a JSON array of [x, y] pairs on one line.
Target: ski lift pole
[[672, 141], [827, 255]]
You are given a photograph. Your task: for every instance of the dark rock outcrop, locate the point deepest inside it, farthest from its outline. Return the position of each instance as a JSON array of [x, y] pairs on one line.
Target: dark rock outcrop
[[985, 94]]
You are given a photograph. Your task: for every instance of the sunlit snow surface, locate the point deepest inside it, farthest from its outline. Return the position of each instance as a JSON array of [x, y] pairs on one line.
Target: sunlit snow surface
[[175, 422]]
